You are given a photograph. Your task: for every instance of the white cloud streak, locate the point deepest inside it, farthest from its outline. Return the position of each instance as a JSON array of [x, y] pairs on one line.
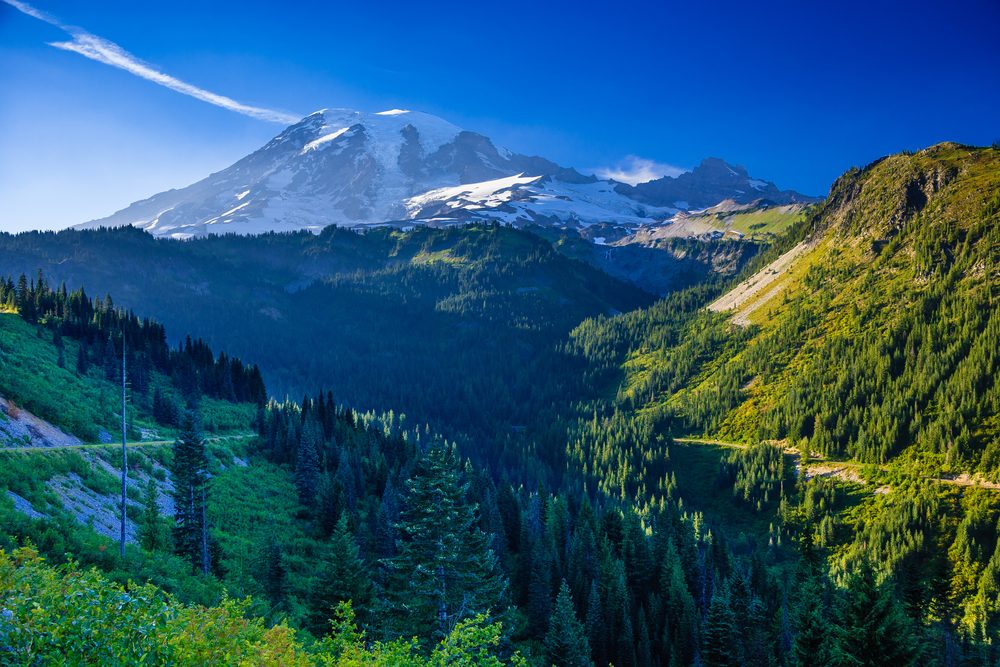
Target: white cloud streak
[[103, 51], [634, 169]]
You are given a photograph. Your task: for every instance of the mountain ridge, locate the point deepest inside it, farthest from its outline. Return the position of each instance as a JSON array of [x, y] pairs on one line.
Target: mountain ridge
[[400, 167]]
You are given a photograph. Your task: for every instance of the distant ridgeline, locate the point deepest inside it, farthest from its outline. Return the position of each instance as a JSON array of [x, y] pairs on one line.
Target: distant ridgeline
[[88, 334]]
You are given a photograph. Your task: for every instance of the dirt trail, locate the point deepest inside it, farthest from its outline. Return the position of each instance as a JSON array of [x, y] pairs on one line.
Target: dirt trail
[[735, 298], [134, 443], [849, 471]]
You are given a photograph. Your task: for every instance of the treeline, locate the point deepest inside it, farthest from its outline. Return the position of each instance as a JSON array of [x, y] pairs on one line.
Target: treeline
[[101, 329]]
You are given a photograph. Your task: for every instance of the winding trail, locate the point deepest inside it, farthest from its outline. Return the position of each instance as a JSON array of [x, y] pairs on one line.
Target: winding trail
[[850, 471], [132, 443]]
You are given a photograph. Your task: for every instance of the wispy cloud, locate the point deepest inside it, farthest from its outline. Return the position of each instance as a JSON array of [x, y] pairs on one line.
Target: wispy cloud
[[107, 52], [634, 169]]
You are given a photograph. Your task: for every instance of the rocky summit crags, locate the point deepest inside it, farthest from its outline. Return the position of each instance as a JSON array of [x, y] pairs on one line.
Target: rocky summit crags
[[357, 169]]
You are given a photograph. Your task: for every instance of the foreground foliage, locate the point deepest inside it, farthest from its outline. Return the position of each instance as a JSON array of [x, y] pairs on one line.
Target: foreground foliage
[[65, 615]]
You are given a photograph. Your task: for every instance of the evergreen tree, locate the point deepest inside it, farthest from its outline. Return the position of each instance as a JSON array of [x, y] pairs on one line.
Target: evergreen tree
[[680, 629], [756, 635], [566, 642], [594, 625], [539, 589], [344, 579], [151, 522], [189, 469], [307, 461], [445, 571], [875, 632], [82, 363], [813, 632], [720, 638], [272, 573], [112, 362]]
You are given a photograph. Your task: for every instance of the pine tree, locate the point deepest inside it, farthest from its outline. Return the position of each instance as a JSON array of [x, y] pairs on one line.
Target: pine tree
[[189, 469], [82, 363], [539, 589], [151, 522], [445, 571], [594, 625], [813, 632], [307, 461], [719, 640], [679, 629], [566, 642], [22, 297], [112, 364], [756, 636], [344, 579], [272, 573], [875, 631]]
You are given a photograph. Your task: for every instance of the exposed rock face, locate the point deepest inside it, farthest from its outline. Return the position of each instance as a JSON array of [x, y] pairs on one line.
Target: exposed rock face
[[712, 181], [20, 428]]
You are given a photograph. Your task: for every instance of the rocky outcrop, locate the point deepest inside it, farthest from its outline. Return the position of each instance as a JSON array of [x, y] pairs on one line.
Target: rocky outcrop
[[20, 428]]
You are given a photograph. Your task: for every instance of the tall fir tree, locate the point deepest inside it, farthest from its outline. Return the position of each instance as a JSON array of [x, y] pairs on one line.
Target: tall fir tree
[[680, 628], [444, 571], [874, 629], [718, 645], [189, 470], [344, 578], [594, 625], [307, 469], [566, 642], [151, 521], [82, 363], [540, 588], [813, 632], [272, 572]]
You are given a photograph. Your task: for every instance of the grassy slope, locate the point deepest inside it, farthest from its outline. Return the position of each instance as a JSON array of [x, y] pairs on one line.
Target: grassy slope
[[72, 493], [860, 283], [84, 405], [764, 224], [32, 379]]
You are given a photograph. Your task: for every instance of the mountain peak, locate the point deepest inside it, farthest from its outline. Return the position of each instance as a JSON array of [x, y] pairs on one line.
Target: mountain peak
[[712, 181], [718, 167], [357, 168]]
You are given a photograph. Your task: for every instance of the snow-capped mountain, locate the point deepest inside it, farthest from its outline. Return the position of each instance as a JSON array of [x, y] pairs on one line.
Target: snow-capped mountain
[[352, 168]]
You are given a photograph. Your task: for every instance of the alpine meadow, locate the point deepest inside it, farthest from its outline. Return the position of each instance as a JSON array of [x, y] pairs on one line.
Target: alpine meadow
[[376, 386]]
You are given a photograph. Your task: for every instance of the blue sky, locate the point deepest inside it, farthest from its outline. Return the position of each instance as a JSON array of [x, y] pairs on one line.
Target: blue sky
[[797, 92]]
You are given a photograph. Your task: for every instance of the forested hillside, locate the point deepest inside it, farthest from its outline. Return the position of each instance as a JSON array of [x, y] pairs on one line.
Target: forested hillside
[[880, 340], [879, 344], [456, 327], [327, 507]]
